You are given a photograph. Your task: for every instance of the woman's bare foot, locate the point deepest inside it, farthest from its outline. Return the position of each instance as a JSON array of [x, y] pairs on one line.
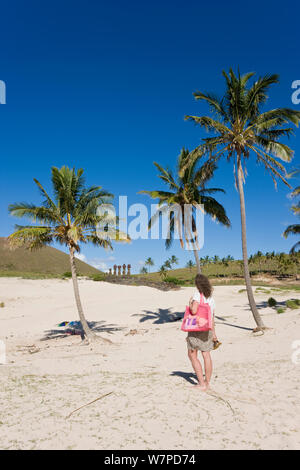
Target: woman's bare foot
[[207, 384], [202, 387]]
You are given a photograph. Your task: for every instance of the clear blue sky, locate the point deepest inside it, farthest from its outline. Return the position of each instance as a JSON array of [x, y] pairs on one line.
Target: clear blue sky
[[105, 86]]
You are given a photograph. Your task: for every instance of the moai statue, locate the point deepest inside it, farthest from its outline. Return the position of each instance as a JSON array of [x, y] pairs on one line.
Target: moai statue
[[119, 270], [129, 270], [115, 270], [124, 270], [109, 273]]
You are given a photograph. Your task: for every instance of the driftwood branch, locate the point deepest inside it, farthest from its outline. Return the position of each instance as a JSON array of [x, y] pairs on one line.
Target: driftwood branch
[[87, 404]]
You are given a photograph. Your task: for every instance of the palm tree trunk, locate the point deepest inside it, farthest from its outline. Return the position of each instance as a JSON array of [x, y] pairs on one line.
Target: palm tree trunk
[[252, 303], [197, 261], [86, 329]]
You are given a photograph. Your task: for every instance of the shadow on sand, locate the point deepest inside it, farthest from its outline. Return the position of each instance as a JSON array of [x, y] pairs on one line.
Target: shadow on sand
[[223, 322], [188, 376], [162, 315], [97, 327]]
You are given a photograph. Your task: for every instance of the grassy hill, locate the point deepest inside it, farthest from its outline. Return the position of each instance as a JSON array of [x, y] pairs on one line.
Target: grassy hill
[[278, 268], [47, 262]]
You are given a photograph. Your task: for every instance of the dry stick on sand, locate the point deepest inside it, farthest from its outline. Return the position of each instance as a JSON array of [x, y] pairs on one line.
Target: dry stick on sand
[[219, 398], [90, 403]]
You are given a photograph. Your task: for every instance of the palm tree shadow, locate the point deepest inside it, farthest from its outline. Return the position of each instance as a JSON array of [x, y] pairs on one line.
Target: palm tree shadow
[[162, 315], [188, 376], [265, 304], [96, 327], [223, 322]]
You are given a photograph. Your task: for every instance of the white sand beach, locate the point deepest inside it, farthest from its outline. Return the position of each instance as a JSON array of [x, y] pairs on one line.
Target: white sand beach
[[254, 401]]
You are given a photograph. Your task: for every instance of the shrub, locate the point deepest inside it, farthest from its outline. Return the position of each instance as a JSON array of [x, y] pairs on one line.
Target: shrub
[[174, 280], [293, 304], [98, 277], [67, 274], [272, 302], [280, 310]]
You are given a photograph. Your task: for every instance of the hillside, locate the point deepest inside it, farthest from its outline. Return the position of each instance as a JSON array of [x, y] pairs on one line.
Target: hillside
[[273, 268], [47, 261]]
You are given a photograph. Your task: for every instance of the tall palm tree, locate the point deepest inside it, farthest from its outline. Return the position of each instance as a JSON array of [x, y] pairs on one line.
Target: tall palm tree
[[149, 262], [187, 188], [295, 228], [242, 131], [70, 217]]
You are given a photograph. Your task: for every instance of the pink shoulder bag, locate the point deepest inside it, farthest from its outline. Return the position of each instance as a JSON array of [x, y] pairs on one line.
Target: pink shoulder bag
[[201, 321]]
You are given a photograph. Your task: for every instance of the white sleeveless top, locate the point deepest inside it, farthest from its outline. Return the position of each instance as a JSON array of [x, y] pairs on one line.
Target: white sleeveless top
[[210, 301]]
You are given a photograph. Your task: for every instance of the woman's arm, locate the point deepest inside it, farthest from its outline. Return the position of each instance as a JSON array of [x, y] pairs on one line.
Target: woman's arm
[[193, 306]]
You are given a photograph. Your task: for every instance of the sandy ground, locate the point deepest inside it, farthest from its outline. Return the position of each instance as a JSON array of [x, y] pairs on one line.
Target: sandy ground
[[254, 402]]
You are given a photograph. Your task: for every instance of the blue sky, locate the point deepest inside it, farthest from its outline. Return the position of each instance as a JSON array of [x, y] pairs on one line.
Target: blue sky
[[105, 86]]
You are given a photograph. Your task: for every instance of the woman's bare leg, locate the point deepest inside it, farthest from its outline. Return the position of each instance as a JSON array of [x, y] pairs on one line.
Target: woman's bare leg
[[193, 355], [207, 366]]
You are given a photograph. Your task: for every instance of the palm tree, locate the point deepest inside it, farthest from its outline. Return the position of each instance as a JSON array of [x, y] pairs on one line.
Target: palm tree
[[173, 260], [216, 259], [143, 270], [258, 256], [190, 264], [70, 218], [241, 129], [188, 188], [149, 262], [295, 228], [207, 260], [167, 264], [163, 272]]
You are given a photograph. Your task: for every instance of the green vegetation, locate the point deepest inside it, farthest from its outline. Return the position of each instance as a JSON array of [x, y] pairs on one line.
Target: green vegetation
[[143, 270], [2, 304], [98, 277], [149, 262], [239, 130], [174, 280], [190, 264], [293, 304], [67, 274], [280, 310], [228, 270], [272, 302]]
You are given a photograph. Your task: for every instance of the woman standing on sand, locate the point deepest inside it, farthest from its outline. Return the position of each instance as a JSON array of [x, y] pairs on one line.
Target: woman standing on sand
[[202, 340]]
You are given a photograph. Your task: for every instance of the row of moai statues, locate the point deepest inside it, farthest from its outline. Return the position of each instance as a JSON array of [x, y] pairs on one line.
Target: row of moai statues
[[120, 268]]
